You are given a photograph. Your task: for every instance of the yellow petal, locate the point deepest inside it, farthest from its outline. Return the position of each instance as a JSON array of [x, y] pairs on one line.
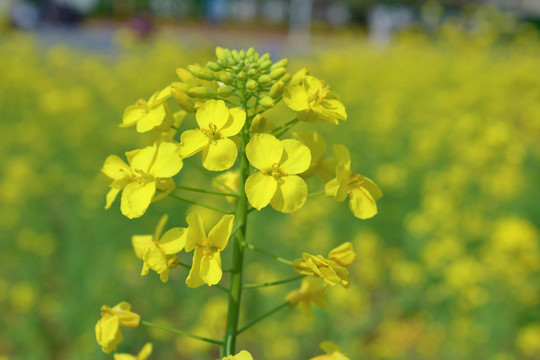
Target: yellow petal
[[132, 114], [211, 269], [136, 198], [296, 98], [192, 141], [220, 155], [342, 155], [296, 157], [194, 278], [115, 168], [260, 189], [331, 188], [173, 241], [335, 109], [108, 333], [234, 124], [124, 357], [145, 352], [314, 141], [140, 243], [195, 231], [155, 258], [212, 112], [111, 196], [160, 226], [291, 194], [142, 161], [343, 254], [152, 119], [373, 189], [362, 204], [219, 235], [264, 150], [159, 96], [311, 84], [167, 162], [243, 355]]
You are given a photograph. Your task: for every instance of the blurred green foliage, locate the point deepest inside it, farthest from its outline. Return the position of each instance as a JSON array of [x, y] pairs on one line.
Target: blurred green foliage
[[448, 126]]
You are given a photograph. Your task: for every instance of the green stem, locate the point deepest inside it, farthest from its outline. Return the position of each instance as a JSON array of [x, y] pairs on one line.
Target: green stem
[[283, 128], [180, 332], [182, 187], [256, 320], [199, 204], [317, 193], [273, 283], [235, 292], [205, 172], [266, 253]]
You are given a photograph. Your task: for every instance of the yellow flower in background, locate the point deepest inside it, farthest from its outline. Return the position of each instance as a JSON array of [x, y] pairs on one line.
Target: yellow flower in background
[[206, 266], [149, 169], [152, 114], [362, 191], [313, 101], [277, 181], [329, 270], [217, 123], [343, 254], [333, 352], [323, 167], [142, 355], [232, 180], [159, 252], [108, 333], [311, 291], [242, 355]]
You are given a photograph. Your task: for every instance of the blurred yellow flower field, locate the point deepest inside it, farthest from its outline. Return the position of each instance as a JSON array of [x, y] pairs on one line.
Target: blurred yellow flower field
[[447, 125]]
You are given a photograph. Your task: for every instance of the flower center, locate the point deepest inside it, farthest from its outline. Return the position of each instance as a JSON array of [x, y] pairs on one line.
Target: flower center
[[208, 249], [319, 95], [356, 180], [212, 132], [276, 171], [143, 177]]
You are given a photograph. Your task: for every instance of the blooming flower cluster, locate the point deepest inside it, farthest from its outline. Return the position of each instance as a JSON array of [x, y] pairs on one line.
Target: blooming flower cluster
[[228, 99]]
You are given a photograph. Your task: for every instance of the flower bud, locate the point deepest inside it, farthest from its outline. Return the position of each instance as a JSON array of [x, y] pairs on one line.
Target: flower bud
[[286, 78], [252, 72], [224, 91], [226, 78], [242, 54], [263, 58], [277, 73], [264, 79], [265, 64], [251, 85], [250, 52], [200, 92], [280, 64], [181, 97], [222, 54], [213, 66], [201, 73], [258, 124], [266, 102], [222, 63], [277, 90], [242, 75]]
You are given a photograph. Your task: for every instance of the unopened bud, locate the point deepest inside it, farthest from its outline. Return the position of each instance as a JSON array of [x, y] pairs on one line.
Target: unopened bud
[[276, 90], [213, 66], [200, 92], [222, 54], [258, 124], [182, 98], [277, 73], [265, 64], [264, 79], [242, 54], [251, 85], [226, 78], [281, 63], [286, 78], [242, 75], [224, 91], [201, 73], [250, 52], [266, 102], [252, 72]]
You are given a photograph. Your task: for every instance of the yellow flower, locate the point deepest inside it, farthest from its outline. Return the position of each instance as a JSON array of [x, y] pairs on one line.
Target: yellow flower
[[320, 166], [159, 252], [206, 267], [216, 124], [333, 352], [108, 332], [313, 101], [142, 355], [362, 191], [242, 355], [343, 254], [327, 269], [149, 169], [276, 181], [311, 291], [152, 114]]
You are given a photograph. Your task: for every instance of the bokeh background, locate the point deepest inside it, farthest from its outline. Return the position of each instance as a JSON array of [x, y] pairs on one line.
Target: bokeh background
[[443, 101]]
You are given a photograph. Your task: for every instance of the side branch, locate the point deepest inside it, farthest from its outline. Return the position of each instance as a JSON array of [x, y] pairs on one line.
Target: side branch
[[273, 283], [262, 317], [199, 204], [180, 332], [266, 253]]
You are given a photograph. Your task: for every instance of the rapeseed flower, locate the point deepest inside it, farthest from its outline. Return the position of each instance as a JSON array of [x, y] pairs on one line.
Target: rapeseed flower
[[276, 181], [149, 115], [142, 355], [323, 167], [206, 266], [333, 352], [108, 333], [327, 269], [149, 169], [217, 123], [242, 355], [159, 252], [312, 100], [311, 291], [362, 191]]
